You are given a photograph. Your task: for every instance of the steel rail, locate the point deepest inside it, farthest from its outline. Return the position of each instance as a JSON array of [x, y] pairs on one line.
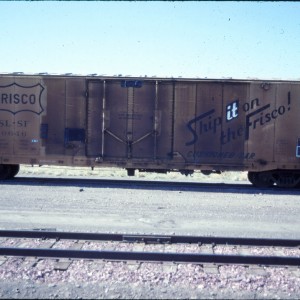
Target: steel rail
[[236, 187], [146, 238], [152, 256], [130, 183]]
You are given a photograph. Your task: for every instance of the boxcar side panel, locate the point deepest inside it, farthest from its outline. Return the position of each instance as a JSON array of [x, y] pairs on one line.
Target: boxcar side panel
[[75, 123], [287, 125], [94, 118], [164, 119], [141, 120], [115, 139], [185, 104], [207, 125], [203, 126], [260, 126], [56, 115], [232, 138]]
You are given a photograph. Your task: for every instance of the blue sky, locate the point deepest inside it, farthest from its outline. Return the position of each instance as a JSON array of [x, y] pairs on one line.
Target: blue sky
[[189, 39]]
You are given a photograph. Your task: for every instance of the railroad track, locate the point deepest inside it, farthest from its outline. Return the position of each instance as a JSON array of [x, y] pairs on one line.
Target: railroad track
[[142, 184], [282, 246]]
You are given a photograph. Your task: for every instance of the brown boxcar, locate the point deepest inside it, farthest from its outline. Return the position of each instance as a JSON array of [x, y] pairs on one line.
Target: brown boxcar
[[152, 124]]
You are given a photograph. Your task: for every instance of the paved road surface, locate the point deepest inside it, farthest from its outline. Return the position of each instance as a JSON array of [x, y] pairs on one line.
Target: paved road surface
[[206, 211]]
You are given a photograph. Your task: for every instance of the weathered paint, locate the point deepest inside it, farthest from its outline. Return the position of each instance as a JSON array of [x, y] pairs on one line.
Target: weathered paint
[[149, 123]]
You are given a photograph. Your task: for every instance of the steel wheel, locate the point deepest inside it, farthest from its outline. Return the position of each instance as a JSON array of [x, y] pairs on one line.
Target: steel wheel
[[13, 171], [261, 179], [4, 171]]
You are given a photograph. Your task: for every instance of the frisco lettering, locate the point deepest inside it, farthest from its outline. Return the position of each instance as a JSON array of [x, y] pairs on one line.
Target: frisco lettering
[[255, 118], [17, 98]]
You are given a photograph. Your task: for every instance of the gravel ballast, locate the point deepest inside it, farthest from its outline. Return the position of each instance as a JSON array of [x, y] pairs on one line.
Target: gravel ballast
[[85, 279]]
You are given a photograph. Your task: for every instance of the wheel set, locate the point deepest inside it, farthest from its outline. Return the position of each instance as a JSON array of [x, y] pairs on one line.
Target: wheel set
[[8, 171], [282, 178]]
